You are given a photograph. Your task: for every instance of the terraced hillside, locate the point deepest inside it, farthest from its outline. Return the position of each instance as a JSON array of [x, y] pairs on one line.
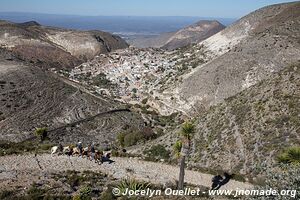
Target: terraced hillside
[[32, 98], [246, 133]]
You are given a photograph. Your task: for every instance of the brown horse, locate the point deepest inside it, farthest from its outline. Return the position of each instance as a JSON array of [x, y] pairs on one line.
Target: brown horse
[[98, 157]]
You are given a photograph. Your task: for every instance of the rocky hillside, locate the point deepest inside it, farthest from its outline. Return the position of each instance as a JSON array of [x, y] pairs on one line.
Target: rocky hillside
[[192, 34], [32, 98], [245, 53], [246, 132], [55, 47]]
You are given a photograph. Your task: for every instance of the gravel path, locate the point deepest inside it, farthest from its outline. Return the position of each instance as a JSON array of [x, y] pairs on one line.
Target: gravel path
[[121, 168]]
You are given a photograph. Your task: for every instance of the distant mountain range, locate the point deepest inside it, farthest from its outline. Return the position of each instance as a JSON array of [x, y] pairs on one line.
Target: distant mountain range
[[125, 26], [191, 34]]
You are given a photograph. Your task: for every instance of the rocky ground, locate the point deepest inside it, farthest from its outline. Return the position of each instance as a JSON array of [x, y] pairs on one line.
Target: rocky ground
[[22, 170]]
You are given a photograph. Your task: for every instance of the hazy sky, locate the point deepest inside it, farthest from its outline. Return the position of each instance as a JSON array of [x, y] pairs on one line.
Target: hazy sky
[[203, 8]]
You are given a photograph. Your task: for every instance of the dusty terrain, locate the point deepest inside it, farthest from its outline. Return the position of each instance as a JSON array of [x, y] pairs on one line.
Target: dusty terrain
[[270, 42], [12, 166], [32, 98]]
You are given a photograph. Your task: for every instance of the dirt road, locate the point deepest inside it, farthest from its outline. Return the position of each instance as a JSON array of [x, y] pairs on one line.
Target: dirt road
[[121, 168]]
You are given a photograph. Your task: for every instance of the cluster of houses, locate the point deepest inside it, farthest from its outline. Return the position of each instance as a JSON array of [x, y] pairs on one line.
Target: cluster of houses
[[135, 72]]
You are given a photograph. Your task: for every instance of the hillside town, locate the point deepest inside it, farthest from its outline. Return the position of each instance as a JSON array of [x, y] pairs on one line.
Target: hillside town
[[132, 74]]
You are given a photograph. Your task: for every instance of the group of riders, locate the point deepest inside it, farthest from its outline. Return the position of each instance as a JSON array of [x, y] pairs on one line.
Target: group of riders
[[88, 152]]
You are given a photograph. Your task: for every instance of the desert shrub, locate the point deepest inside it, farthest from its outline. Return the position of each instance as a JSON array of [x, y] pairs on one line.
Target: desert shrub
[[157, 152], [8, 148], [134, 90], [121, 138], [76, 197], [73, 179], [148, 133], [159, 132], [85, 193], [6, 194], [284, 177], [144, 101], [101, 80], [291, 155], [45, 147], [131, 137], [107, 195], [41, 132], [35, 193]]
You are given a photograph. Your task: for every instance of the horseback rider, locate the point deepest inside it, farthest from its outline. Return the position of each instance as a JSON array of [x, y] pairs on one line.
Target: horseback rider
[[93, 151], [79, 146], [60, 148]]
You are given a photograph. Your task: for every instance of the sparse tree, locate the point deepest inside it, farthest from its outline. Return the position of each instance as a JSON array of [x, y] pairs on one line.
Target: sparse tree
[[187, 133], [41, 132]]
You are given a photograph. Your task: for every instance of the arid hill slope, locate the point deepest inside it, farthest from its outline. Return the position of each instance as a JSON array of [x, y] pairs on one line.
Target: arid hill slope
[[247, 132], [247, 52], [31, 98], [55, 47], [193, 34]]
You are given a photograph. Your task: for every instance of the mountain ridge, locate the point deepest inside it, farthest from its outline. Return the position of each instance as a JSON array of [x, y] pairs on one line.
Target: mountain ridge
[[183, 37], [62, 48]]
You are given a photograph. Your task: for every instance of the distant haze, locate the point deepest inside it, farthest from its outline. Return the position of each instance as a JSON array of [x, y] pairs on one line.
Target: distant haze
[[121, 25]]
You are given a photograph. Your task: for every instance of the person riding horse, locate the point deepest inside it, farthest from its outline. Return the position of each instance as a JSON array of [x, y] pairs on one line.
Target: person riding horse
[[79, 146], [92, 150]]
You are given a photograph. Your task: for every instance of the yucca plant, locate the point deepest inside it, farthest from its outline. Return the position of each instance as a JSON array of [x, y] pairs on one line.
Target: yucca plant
[[132, 184], [291, 155], [177, 148], [187, 133], [187, 130]]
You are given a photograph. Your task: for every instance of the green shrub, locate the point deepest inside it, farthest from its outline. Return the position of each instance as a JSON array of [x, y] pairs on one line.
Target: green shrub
[[177, 148], [121, 138], [76, 197], [187, 130], [8, 148], [134, 90], [132, 138], [144, 101], [291, 155], [107, 195], [101, 80], [85, 193], [5, 194], [35, 193], [157, 152], [284, 177], [41, 132]]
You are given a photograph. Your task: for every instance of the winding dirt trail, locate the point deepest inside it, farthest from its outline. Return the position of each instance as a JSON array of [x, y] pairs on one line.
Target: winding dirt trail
[[121, 168]]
